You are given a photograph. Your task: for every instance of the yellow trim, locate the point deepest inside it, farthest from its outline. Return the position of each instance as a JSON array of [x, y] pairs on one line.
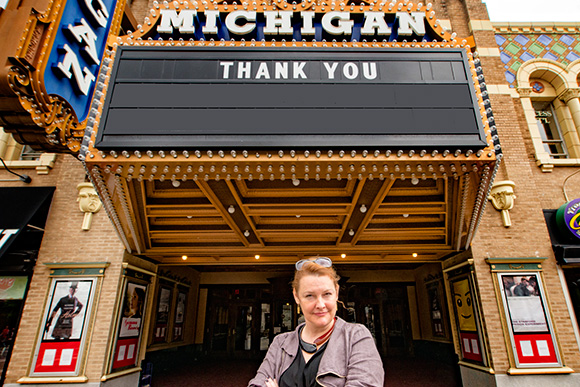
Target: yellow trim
[[173, 281], [476, 366], [60, 379], [139, 269], [535, 371], [515, 260], [71, 265], [468, 262], [488, 51], [480, 25], [104, 378]]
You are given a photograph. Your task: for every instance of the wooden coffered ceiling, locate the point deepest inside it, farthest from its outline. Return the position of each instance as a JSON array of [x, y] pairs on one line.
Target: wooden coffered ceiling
[[372, 212]]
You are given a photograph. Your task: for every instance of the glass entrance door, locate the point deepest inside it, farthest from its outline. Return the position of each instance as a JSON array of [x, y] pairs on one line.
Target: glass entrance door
[[238, 323], [384, 310]]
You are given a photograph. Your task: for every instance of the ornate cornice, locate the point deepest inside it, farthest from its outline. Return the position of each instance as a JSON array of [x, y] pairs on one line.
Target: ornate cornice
[[525, 92]]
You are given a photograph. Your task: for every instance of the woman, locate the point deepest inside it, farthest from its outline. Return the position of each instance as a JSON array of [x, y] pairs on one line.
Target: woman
[[324, 350]]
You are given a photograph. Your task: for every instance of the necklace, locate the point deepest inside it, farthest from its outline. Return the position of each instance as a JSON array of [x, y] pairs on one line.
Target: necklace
[[312, 348]]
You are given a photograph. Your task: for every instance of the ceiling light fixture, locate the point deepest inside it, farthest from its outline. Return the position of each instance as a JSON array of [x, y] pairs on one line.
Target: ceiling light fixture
[[246, 233], [415, 255], [257, 256], [231, 209], [184, 257], [351, 232], [342, 255], [363, 208]]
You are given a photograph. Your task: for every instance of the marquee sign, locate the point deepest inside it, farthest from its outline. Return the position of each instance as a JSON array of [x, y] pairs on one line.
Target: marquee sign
[[293, 24], [55, 68], [77, 52], [290, 97]]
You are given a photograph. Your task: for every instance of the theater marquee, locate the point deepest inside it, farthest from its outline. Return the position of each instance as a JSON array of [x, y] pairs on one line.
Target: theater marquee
[[290, 97]]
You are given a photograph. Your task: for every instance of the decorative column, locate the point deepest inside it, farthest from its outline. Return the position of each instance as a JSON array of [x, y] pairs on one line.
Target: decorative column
[[89, 203], [571, 98], [502, 197]]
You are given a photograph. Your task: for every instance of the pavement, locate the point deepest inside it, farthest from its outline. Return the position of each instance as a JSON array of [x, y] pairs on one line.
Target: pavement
[[183, 369]]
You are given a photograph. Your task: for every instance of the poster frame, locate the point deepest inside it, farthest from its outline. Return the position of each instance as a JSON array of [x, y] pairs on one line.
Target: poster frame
[[460, 272], [141, 277], [71, 350], [522, 267], [124, 320], [162, 323], [71, 271], [179, 324], [509, 311], [435, 293]]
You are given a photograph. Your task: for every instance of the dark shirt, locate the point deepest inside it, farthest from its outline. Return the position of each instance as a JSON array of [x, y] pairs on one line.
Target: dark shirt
[[300, 373]]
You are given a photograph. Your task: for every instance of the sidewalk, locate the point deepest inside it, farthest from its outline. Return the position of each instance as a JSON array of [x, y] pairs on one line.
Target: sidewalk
[[181, 371]]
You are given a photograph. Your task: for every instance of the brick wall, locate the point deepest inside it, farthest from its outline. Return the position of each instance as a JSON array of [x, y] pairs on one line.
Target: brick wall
[[528, 235], [64, 241]]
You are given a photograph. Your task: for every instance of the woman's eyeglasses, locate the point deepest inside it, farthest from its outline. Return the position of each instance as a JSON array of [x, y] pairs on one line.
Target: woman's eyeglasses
[[322, 261]]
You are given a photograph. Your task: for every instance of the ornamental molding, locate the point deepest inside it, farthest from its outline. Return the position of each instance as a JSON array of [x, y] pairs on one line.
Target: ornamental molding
[[89, 203], [502, 197], [525, 92], [569, 94], [43, 120]]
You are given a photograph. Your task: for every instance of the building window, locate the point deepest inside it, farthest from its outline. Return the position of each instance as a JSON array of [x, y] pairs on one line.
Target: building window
[[549, 130], [28, 153]]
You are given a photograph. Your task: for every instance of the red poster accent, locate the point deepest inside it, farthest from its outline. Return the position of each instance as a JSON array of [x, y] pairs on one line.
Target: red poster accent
[[57, 356], [160, 333], [535, 348], [470, 347], [125, 352]]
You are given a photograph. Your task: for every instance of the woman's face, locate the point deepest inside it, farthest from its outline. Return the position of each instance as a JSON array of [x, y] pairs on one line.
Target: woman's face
[[317, 296], [134, 301]]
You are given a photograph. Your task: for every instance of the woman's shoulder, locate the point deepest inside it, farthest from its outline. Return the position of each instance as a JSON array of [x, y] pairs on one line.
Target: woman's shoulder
[[352, 328]]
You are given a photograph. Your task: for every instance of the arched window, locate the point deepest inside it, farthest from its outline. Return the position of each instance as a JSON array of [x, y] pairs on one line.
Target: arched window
[[549, 93]]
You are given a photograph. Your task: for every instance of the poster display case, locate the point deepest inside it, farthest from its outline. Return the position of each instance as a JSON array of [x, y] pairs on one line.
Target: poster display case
[[526, 317], [129, 326], [66, 325], [468, 322]]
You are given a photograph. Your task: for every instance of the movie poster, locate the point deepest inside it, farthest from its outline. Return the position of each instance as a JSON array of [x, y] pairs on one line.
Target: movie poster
[[130, 326], [465, 309], [65, 321], [179, 321], [531, 335], [162, 318], [524, 303]]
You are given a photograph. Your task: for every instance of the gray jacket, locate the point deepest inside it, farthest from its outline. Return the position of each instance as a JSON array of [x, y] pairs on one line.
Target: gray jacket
[[351, 358]]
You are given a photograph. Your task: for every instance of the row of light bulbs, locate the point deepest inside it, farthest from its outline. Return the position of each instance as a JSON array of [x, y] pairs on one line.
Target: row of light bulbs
[[407, 168], [258, 256], [292, 153]]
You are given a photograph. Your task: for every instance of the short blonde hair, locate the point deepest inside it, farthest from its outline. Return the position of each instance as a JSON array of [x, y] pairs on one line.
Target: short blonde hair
[[315, 270]]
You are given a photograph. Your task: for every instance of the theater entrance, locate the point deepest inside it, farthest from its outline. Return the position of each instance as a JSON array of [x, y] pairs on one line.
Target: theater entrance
[[237, 319], [242, 320], [384, 309]]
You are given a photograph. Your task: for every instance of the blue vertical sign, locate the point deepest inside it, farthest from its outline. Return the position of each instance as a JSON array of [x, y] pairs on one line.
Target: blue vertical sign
[[77, 52]]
